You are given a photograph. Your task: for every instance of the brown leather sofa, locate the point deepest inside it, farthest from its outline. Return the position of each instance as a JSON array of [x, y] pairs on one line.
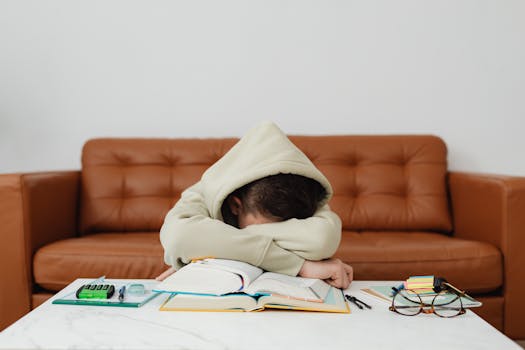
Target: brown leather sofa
[[403, 214]]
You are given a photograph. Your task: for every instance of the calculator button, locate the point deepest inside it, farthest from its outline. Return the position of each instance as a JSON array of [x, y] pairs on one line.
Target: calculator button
[[111, 291]]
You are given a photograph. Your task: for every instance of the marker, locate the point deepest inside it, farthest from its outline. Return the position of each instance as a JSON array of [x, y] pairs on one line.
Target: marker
[[397, 290], [121, 293]]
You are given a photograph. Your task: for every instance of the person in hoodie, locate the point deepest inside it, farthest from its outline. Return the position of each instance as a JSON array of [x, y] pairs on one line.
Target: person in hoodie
[[228, 213]]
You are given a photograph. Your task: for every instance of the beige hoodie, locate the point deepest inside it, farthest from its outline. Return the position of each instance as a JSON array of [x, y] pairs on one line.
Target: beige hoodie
[[193, 228]]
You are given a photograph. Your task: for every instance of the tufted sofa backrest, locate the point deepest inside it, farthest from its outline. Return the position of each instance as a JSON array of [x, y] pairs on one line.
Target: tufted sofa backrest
[[380, 182], [384, 182]]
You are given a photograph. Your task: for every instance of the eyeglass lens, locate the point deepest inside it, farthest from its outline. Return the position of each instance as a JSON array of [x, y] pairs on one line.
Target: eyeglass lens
[[407, 303], [447, 305]]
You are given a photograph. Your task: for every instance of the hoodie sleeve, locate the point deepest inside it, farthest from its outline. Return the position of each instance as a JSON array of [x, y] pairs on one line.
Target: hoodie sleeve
[[313, 238], [189, 232]]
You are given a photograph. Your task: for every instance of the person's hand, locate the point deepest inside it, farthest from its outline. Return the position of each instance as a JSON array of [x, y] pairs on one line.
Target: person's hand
[[165, 274], [333, 271]]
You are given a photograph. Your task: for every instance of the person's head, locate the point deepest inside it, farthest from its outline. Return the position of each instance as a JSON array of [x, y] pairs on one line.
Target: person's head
[[272, 199]]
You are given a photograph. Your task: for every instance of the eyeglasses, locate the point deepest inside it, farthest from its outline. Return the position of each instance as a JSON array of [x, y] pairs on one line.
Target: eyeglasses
[[446, 303]]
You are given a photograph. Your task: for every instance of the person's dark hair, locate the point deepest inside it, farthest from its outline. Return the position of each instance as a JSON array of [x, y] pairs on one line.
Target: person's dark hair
[[281, 196]]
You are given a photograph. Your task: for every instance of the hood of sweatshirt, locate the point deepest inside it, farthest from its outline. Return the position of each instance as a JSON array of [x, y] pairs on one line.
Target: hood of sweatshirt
[[265, 150]]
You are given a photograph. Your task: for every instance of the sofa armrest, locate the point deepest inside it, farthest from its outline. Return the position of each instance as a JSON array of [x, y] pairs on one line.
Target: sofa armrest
[[491, 208], [35, 209]]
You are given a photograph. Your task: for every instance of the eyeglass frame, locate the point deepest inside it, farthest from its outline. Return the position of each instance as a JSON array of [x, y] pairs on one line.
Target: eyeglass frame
[[444, 286]]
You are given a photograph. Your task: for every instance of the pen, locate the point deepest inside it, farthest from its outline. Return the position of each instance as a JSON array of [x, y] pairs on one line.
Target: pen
[[357, 302], [362, 302], [352, 300], [121, 292]]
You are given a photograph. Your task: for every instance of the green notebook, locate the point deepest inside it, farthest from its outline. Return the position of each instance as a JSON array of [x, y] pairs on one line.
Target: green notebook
[[129, 300]]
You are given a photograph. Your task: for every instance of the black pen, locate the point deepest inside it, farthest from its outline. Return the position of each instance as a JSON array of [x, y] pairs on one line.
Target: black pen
[[352, 300], [121, 293], [362, 302], [357, 302]]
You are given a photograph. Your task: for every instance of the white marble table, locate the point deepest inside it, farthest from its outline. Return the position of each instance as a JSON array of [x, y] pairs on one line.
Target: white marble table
[[83, 327]]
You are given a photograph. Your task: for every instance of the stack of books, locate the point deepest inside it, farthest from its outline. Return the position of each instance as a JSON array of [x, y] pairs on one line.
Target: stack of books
[[228, 285]]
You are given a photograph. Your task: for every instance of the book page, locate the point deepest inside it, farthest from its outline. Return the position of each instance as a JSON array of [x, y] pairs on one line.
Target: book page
[[211, 277], [200, 279], [334, 302], [231, 302], [248, 272], [294, 287]]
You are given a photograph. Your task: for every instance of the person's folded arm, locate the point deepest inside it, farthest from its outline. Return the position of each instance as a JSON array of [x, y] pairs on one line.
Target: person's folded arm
[[313, 238], [189, 233]]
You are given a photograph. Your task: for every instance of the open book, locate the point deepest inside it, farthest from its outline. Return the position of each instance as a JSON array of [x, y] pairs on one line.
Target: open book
[[218, 284]]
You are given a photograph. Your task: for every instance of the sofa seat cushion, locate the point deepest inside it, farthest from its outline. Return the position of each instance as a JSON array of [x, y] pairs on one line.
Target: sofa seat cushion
[[115, 255], [470, 265]]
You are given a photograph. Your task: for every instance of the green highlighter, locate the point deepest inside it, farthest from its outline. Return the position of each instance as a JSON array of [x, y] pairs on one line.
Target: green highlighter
[[96, 291]]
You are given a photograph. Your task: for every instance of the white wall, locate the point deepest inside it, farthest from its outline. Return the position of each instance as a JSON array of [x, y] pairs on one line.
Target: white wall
[[72, 70]]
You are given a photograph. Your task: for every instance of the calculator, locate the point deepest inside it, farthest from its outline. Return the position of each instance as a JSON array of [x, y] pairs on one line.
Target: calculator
[[96, 291]]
